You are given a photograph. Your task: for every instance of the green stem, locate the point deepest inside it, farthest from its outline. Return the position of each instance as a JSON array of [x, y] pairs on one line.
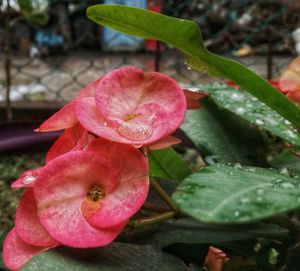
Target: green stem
[[151, 220], [165, 197], [154, 208]]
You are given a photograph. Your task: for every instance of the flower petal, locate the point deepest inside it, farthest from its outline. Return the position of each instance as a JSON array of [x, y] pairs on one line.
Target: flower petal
[[66, 117], [122, 91], [16, 252], [28, 226], [27, 178], [63, 185], [132, 190], [290, 79], [75, 138]]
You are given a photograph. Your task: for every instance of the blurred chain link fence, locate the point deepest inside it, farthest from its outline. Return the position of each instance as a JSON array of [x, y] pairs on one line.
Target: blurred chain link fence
[[49, 65]]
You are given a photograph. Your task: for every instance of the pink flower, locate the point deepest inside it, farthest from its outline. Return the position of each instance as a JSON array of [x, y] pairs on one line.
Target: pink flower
[[78, 199], [290, 81], [133, 107], [128, 106]]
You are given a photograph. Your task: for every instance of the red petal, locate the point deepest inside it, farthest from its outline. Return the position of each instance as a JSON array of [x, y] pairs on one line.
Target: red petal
[[192, 98], [16, 252], [28, 225], [132, 190]]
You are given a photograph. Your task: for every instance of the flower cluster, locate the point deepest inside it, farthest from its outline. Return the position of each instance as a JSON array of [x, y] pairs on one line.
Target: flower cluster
[[96, 177]]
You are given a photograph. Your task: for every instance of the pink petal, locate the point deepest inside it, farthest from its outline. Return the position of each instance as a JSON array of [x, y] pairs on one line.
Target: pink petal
[[290, 79], [75, 138], [130, 194], [27, 178], [122, 91], [16, 252], [62, 119], [66, 117], [28, 226], [165, 143], [63, 185], [150, 123], [192, 99]]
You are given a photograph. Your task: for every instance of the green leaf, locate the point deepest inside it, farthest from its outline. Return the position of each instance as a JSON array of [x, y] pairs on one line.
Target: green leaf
[[286, 159], [116, 256], [186, 36], [189, 231], [168, 164], [224, 137], [225, 194], [251, 109]]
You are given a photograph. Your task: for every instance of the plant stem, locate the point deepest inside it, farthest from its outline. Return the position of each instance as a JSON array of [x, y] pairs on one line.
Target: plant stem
[[151, 220], [166, 198], [155, 208]]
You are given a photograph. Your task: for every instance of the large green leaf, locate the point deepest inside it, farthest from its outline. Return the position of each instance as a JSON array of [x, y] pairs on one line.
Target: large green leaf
[[225, 194], [189, 231], [248, 107], [186, 36], [224, 137], [116, 256], [168, 164]]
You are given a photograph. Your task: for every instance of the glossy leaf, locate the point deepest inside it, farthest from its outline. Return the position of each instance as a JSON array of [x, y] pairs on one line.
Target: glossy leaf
[[224, 137], [225, 194], [189, 231], [186, 36], [116, 256], [168, 164], [250, 108]]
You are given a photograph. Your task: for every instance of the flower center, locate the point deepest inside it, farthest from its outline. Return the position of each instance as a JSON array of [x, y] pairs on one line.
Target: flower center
[[129, 117], [96, 193]]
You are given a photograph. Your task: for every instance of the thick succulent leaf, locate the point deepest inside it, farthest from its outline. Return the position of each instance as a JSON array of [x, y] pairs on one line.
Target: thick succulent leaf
[[225, 194], [116, 256], [250, 108], [224, 137], [189, 231], [168, 164], [186, 36]]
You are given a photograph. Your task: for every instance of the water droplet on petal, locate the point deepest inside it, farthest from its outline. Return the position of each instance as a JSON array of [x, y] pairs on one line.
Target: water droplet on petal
[[135, 131], [28, 179], [105, 123]]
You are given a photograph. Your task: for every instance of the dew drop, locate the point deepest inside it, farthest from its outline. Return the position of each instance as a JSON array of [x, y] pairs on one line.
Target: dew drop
[[240, 111], [236, 214], [244, 200], [287, 122], [28, 179], [285, 172], [237, 166], [105, 123], [135, 131], [260, 191], [287, 185], [259, 122], [259, 198], [237, 97]]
